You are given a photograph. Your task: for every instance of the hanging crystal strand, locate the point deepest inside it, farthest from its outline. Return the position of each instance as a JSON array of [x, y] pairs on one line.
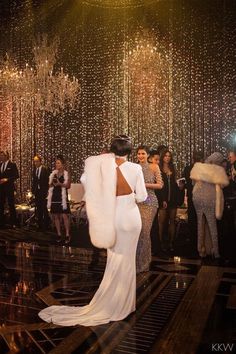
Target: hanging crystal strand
[[36, 91]]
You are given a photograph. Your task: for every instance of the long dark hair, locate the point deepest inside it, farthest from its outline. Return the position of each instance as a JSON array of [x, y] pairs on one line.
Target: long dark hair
[[152, 153], [171, 164]]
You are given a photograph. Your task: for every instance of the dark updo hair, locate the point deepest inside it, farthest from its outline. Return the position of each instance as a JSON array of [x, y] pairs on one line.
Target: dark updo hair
[[121, 145], [143, 147], [198, 156], [61, 158], [160, 148], [152, 153]]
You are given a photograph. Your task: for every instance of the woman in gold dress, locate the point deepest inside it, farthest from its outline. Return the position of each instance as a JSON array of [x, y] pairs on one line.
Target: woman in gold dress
[[148, 208]]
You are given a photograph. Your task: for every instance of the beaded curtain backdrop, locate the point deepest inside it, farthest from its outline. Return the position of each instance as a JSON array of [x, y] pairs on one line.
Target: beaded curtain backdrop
[[162, 72]]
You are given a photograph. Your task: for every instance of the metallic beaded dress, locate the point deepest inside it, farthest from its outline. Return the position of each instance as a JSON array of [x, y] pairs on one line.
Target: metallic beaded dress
[[148, 210], [204, 200]]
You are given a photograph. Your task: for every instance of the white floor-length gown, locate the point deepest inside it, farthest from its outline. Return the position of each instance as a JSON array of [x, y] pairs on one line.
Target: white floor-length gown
[[115, 298]]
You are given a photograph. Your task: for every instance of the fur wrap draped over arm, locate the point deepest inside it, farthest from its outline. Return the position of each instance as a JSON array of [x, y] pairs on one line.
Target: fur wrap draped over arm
[[63, 189], [209, 173], [213, 174], [100, 196]]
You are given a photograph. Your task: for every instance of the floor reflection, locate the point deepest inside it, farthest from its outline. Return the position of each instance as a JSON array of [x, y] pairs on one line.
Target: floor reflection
[[35, 274]]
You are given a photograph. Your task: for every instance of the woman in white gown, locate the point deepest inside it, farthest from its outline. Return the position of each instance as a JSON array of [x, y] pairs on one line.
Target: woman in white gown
[[112, 187]]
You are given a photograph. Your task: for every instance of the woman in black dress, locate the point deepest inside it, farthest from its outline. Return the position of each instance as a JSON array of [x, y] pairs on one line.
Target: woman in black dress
[[169, 198], [59, 183]]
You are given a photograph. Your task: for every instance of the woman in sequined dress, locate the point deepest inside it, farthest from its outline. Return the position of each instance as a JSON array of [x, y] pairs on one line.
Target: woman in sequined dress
[[209, 178], [148, 208]]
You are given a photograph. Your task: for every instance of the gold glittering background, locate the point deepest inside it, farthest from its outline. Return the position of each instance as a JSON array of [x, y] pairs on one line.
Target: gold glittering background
[[160, 71]]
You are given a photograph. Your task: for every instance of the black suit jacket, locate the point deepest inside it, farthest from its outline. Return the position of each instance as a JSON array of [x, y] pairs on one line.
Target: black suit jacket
[[40, 185], [11, 173]]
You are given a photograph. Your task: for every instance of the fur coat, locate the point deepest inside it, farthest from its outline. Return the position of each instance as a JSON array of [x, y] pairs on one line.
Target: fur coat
[[213, 174], [99, 180], [63, 190]]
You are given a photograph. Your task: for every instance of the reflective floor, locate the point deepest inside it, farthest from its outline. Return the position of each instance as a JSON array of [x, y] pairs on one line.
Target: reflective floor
[[183, 305]]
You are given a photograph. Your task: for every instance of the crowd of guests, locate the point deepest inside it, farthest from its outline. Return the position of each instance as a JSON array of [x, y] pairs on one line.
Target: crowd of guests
[[50, 190], [210, 183]]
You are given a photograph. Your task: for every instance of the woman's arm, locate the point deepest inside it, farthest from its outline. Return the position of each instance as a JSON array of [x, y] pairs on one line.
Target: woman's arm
[[140, 189], [83, 183], [162, 194], [153, 185], [65, 184], [159, 181]]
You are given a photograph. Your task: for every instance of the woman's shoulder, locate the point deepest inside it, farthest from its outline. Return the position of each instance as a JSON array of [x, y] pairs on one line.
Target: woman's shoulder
[[134, 166], [155, 168]]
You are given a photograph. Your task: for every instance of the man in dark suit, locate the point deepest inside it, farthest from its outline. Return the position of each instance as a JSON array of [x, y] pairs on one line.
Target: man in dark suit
[[40, 190], [8, 175]]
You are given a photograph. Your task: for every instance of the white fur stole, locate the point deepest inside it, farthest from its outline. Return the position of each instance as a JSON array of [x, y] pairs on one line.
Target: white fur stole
[[209, 173], [213, 174], [63, 189], [100, 197]]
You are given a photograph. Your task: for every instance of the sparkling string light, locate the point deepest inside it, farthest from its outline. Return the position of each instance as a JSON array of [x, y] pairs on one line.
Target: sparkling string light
[[117, 4], [6, 123], [146, 87], [185, 98]]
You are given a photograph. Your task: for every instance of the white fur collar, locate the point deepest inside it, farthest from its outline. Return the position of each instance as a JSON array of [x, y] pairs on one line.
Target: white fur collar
[[63, 190], [209, 173], [100, 196]]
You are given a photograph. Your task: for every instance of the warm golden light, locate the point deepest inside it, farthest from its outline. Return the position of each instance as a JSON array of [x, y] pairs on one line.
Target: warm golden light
[[119, 3]]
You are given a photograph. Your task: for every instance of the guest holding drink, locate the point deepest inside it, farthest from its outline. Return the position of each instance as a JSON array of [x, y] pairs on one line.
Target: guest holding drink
[[58, 203]]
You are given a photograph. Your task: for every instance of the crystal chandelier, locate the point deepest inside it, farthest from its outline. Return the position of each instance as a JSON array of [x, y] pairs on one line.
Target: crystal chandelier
[[144, 64], [146, 89], [39, 85], [29, 98]]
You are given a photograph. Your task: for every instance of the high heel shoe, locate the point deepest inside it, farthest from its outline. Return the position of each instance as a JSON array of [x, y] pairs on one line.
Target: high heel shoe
[[215, 253], [163, 247], [202, 254], [68, 239], [58, 239], [171, 247]]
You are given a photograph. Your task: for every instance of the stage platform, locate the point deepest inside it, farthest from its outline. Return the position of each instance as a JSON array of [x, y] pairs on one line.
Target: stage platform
[[184, 305]]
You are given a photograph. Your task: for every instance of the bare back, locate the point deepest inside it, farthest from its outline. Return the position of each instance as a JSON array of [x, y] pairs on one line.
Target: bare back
[[122, 186]]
